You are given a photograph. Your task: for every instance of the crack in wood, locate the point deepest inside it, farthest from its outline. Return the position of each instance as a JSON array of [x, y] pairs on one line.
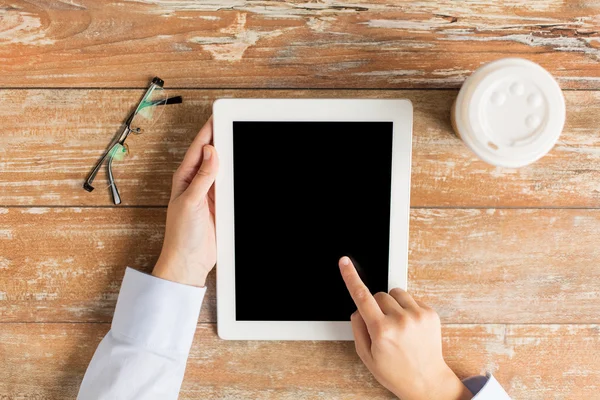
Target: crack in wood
[[449, 18]]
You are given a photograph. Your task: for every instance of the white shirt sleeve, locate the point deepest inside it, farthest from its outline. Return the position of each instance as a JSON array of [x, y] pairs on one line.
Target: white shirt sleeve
[[485, 388], [144, 354]]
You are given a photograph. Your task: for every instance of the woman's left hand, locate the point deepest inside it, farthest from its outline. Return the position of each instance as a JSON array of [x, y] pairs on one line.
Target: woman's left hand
[[189, 250]]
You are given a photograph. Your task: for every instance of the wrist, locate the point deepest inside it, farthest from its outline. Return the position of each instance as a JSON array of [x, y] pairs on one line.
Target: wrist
[[179, 272], [441, 384], [450, 387]]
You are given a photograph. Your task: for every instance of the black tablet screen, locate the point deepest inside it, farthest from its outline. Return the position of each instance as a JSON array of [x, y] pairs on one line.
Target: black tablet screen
[[307, 193]]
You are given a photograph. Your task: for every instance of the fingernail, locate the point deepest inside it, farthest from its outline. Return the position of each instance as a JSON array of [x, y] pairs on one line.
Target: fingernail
[[345, 261], [207, 153]]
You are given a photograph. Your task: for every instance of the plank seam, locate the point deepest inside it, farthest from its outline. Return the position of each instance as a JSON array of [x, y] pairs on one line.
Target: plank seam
[[582, 208], [260, 88], [214, 323]]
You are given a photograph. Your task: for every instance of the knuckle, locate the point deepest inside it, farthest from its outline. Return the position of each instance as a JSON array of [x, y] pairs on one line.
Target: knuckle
[[187, 201], [419, 316], [401, 321], [355, 316], [378, 326], [203, 173], [386, 332], [379, 296], [431, 315], [361, 294]]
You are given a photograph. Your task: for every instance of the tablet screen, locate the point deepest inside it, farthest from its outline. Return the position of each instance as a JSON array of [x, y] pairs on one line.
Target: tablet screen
[[305, 194]]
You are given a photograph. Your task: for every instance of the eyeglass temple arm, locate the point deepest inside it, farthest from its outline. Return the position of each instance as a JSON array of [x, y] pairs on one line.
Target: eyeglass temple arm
[[113, 185], [120, 139], [174, 100], [170, 100], [87, 185], [111, 180]]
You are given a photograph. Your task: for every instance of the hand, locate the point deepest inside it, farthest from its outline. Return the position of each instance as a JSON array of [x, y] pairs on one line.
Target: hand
[[400, 341], [189, 250]]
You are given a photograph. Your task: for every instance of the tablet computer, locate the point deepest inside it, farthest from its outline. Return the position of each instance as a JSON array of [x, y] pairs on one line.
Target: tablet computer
[[303, 182]]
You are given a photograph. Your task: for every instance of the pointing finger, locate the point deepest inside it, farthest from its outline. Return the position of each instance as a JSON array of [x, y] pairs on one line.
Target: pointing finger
[[364, 300]]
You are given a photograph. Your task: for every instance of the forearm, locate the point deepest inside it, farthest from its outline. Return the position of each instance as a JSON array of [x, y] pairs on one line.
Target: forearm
[[145, 352]]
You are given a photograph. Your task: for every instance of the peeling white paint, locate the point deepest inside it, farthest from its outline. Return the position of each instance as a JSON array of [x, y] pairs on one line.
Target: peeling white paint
[[232, 48], [595, 151], [38, 210], [23, 28], [525, 341], [50, 195], [275, 9], [498, 346], [584, 79], [579, 220], [6, 234], [397, 72], [501, 172], [407, 24], [4, 263], [451, 72], [181, 47], [558, 43], [45, 296], [320, 25], [577, 371]]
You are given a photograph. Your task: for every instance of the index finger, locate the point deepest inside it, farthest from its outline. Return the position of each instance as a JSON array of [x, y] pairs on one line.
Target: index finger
[[364, 300]]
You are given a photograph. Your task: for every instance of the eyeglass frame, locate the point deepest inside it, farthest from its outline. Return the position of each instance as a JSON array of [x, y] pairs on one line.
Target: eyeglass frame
[[120, 140]]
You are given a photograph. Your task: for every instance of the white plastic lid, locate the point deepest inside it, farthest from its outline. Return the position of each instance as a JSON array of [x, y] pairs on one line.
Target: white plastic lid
[[510, 112]]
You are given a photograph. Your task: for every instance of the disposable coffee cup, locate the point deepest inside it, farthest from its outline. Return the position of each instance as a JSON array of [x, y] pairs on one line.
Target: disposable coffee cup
[[509, 112]]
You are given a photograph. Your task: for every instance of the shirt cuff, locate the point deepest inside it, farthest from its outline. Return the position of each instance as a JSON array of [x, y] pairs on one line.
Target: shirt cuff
[[157, 314], [485, 388]]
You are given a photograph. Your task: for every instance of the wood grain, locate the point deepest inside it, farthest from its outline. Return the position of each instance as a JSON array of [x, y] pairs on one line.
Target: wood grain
[[471, 265], [516, 288], [295, 44], [52, 138], [48, 362], [67, 264]]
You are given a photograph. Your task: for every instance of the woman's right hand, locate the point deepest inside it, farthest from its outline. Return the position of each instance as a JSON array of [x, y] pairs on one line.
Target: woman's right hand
[[400, 341]]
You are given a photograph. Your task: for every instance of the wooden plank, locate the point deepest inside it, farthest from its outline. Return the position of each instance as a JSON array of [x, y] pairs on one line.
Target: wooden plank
[[534, 362], [509, 266], [68, 263], [52, 138], [266, 44], [472, 266]]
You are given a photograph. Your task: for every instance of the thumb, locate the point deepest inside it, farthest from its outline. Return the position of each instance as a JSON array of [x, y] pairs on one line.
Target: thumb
[[206, 174]]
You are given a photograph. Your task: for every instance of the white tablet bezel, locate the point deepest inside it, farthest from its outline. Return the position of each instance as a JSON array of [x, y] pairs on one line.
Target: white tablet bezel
[[225, 112]]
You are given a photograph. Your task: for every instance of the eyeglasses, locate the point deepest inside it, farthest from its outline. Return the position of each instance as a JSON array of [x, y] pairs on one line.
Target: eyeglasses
[[145, 115]]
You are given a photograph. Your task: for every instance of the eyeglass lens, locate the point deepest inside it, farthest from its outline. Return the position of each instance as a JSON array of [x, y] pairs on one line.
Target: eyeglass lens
[[149, 110]]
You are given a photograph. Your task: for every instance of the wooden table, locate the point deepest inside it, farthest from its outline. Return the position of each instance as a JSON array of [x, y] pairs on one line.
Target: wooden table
[[509, 258]]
